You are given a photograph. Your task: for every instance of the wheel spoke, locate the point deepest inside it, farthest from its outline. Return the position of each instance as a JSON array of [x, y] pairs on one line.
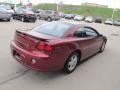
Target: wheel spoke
[[72, 63]]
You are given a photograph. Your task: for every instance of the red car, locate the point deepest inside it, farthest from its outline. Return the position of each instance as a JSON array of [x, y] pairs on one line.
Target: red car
[[56, 45]]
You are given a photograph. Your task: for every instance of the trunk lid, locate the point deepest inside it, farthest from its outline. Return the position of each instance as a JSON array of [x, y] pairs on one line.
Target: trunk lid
[[29, 40]]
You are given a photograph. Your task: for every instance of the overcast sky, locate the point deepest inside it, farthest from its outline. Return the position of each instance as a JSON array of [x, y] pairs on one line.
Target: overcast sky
[[110, 3]]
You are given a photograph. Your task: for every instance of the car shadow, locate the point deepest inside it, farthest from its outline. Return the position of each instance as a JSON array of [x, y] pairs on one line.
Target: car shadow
[[85, 60], [3, 20], [61, 72], [46, 76]]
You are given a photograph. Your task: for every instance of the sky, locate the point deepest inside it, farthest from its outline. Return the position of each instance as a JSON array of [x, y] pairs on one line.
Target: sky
[[110, 3]]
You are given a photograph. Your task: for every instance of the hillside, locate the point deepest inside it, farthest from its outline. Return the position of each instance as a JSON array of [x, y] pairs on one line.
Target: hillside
[[82, 10]]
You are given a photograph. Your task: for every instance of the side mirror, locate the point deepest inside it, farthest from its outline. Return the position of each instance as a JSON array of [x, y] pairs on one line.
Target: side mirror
[[80, 34]]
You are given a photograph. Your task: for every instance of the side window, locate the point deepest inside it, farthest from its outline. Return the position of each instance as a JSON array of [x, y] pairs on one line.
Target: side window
[[80, 33], [90, 32]]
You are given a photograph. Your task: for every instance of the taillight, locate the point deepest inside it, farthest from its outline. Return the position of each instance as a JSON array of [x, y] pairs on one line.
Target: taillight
[[27, 14], [44, 47]]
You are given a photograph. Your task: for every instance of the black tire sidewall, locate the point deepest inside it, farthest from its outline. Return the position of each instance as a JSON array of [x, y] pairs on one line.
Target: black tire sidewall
[[68, 60], [49, 19], [101, 50]]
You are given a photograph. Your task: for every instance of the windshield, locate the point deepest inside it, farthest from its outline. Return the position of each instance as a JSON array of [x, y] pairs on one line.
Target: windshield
[[55, 29], [2, 9]]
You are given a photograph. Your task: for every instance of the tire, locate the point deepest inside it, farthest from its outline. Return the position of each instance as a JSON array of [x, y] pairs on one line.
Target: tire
[[39, 17], [49, 19], [71, 62], [33, 21], [22, 19], [102, 48], [9, 19], [13, 17]]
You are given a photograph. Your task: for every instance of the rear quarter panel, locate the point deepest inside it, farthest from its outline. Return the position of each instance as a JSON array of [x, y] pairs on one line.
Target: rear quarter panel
[[65, 47]]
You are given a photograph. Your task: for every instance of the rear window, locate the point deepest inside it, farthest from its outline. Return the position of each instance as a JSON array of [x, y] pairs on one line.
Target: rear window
[[54, 29]]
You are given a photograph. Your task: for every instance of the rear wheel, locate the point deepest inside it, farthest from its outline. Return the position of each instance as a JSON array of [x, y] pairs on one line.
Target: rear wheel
[[49, 19], [13, 17], [71, 63], [9, 19]]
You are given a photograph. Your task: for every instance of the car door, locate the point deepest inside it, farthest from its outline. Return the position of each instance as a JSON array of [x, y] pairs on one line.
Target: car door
[[95, 40], [44, 14], [83, 42], [18, 14], [3, 13], [48, 14]]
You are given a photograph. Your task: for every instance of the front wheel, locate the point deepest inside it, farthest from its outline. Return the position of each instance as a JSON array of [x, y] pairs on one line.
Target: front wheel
[[9, 19], [71, 63], [102, 48], [49, 19]]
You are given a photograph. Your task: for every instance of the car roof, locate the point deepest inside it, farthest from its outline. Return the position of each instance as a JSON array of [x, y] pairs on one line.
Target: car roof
[[72, 25], [63, 23]]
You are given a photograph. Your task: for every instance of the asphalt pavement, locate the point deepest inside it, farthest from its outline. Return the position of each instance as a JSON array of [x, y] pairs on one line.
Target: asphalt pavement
[[100, 72]]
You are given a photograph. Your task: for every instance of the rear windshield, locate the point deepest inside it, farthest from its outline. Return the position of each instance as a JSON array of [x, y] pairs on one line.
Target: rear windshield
[[54, 29]]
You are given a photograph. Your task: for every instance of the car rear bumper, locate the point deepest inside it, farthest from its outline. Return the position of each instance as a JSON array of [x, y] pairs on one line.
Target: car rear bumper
[[42, 61], [30, 18], [5, 17]]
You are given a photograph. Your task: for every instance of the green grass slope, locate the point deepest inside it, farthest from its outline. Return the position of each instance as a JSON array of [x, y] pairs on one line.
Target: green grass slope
[[82, 10]]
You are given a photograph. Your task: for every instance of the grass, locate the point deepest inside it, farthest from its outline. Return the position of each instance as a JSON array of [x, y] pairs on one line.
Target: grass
[[82, 10]]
